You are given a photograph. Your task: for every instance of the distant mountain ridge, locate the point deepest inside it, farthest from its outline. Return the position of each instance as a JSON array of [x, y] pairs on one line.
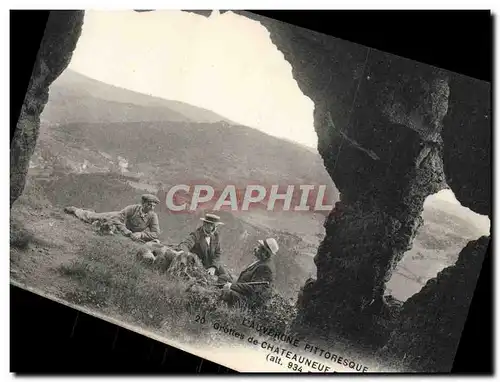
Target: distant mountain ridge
[[74, 97], [100, 126]]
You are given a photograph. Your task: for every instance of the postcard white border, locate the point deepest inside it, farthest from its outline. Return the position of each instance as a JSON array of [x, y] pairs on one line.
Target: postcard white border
[[186, 4]]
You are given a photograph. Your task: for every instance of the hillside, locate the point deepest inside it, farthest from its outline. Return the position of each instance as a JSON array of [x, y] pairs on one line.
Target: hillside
[[58, 256], [436, 246], [179, 152], [100, 131], [109, 192], [76, 98], [102, 127]]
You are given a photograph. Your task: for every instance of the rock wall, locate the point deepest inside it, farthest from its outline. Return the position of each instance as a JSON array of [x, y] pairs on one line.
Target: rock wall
[[61, 35], [379, 119], [435, 317], [385, 127], [431, 322], [467, 153]]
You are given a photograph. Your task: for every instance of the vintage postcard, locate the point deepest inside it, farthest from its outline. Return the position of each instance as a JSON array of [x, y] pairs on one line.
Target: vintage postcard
[[261, 195]]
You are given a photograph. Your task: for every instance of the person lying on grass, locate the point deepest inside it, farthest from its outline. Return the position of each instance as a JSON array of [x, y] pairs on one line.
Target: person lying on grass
[[137, 221]]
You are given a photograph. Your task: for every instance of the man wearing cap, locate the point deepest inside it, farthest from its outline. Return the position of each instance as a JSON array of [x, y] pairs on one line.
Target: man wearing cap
[[140, 222], [204, 242], [262, 270], [137, 221]]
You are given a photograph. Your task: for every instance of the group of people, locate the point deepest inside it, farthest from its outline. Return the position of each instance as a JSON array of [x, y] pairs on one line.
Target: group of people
[[253, 286]]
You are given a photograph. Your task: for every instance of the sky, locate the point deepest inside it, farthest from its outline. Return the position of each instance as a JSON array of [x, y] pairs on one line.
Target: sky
[[225, 63]]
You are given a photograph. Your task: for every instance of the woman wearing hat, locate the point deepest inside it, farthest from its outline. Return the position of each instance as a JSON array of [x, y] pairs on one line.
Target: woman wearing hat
[[243, 291]]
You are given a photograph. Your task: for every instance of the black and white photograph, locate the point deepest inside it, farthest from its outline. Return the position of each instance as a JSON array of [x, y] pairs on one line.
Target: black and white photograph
[[258, 194]]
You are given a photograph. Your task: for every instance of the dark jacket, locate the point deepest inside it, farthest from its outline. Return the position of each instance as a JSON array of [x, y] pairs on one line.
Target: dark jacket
[[196, 243], [259, 271]]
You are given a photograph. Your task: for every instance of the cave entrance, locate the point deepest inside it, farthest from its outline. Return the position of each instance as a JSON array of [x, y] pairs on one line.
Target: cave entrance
[[173, 97], [214, 79], [447, 228]]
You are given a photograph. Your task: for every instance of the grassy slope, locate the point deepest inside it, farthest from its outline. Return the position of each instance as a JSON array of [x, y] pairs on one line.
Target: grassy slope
[[105, 192], [60, 255]]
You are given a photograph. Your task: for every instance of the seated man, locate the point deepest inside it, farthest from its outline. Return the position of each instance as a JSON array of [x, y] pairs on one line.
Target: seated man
[[137, 221], [253, 286], [204, 242]]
